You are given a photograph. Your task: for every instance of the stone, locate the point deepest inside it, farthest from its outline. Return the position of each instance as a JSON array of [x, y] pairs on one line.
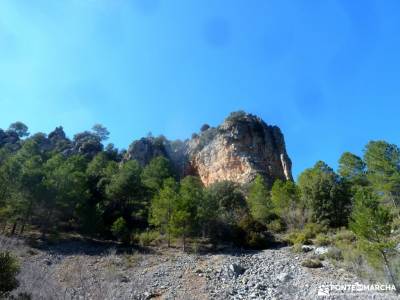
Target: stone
[[307, 248], [239, 149], [284, 277], [124, 279], [236, 269], [321, 250], [242, 147], [231, 271]]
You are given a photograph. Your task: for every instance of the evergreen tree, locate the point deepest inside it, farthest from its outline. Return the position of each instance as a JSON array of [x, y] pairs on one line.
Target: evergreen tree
[[184, 218], [324, 192], [22, 177], [353, 169], [156, 172], [285, 198], [383, 169], [227, 206], [9, 269], [127, 195], [372, 224], [101, 132], [62, 201], [259, 201], [99, 173], [163, 207], [19, 128]]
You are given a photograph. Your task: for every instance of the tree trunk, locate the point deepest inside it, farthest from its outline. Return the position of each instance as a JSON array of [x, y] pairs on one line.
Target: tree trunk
[[14, 228], [184, 242], [4, 227], [46, 223], [390, 272], [27, 216], [22, 229], [169, 239]]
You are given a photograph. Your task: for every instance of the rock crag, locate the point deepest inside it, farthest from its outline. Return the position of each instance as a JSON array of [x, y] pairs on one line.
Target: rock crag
[[237, 150]]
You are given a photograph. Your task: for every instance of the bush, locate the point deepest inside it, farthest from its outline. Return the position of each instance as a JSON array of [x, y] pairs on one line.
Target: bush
[[322, 240], [396, 224], [236, 116], [252, 234], [276, 226], [312, 263], [297, 248], [204, 127], [312, 229], [335, 254], [297, 238], [147, 238], [120, 230], [9, 269], [344, 236]]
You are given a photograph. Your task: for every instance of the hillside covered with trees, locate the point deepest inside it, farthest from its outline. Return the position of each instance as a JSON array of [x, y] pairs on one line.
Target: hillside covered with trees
[[51, 185]]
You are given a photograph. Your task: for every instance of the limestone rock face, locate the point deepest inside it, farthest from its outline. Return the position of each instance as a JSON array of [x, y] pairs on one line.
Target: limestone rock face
[[239, 149], [145, 149]]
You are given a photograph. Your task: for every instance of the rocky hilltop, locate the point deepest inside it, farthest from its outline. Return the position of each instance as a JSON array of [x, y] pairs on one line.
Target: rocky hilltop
[[237, 150]]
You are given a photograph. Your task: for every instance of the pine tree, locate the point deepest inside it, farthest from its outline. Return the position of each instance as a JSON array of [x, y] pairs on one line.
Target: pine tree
[[154, 174], [285, 198], [383, 169], [184, 218], [324, 192], [259, 201], [353, 169], [163, 207], [372, 224]]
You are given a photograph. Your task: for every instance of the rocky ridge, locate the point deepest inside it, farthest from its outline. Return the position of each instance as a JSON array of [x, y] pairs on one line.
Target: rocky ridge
[[237, 150]]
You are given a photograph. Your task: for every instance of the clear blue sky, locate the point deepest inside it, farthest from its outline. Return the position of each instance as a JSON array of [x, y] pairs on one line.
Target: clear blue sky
[[326, 72]]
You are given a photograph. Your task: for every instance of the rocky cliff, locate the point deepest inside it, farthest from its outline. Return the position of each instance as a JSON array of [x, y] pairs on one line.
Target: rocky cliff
[[237, 150]]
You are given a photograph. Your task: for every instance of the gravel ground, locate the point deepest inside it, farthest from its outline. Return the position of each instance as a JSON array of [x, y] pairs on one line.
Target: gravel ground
[[77, 270]]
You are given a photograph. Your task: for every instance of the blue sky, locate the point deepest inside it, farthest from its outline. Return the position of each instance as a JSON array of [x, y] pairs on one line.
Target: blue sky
[[326, 72]]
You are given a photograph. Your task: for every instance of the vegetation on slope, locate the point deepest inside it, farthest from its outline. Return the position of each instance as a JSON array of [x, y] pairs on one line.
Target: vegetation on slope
[[53, 184]]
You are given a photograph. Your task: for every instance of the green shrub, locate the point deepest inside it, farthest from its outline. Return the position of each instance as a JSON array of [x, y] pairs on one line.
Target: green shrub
[[236, 116], [322, 240], [297, 238], [252, 234], [396, 224], [334, 254], [120, 230], [196, 247], [147, 238], [297, 248], [312, 263], [276, 226], [312, 229], [9, 269], [344, 236]]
